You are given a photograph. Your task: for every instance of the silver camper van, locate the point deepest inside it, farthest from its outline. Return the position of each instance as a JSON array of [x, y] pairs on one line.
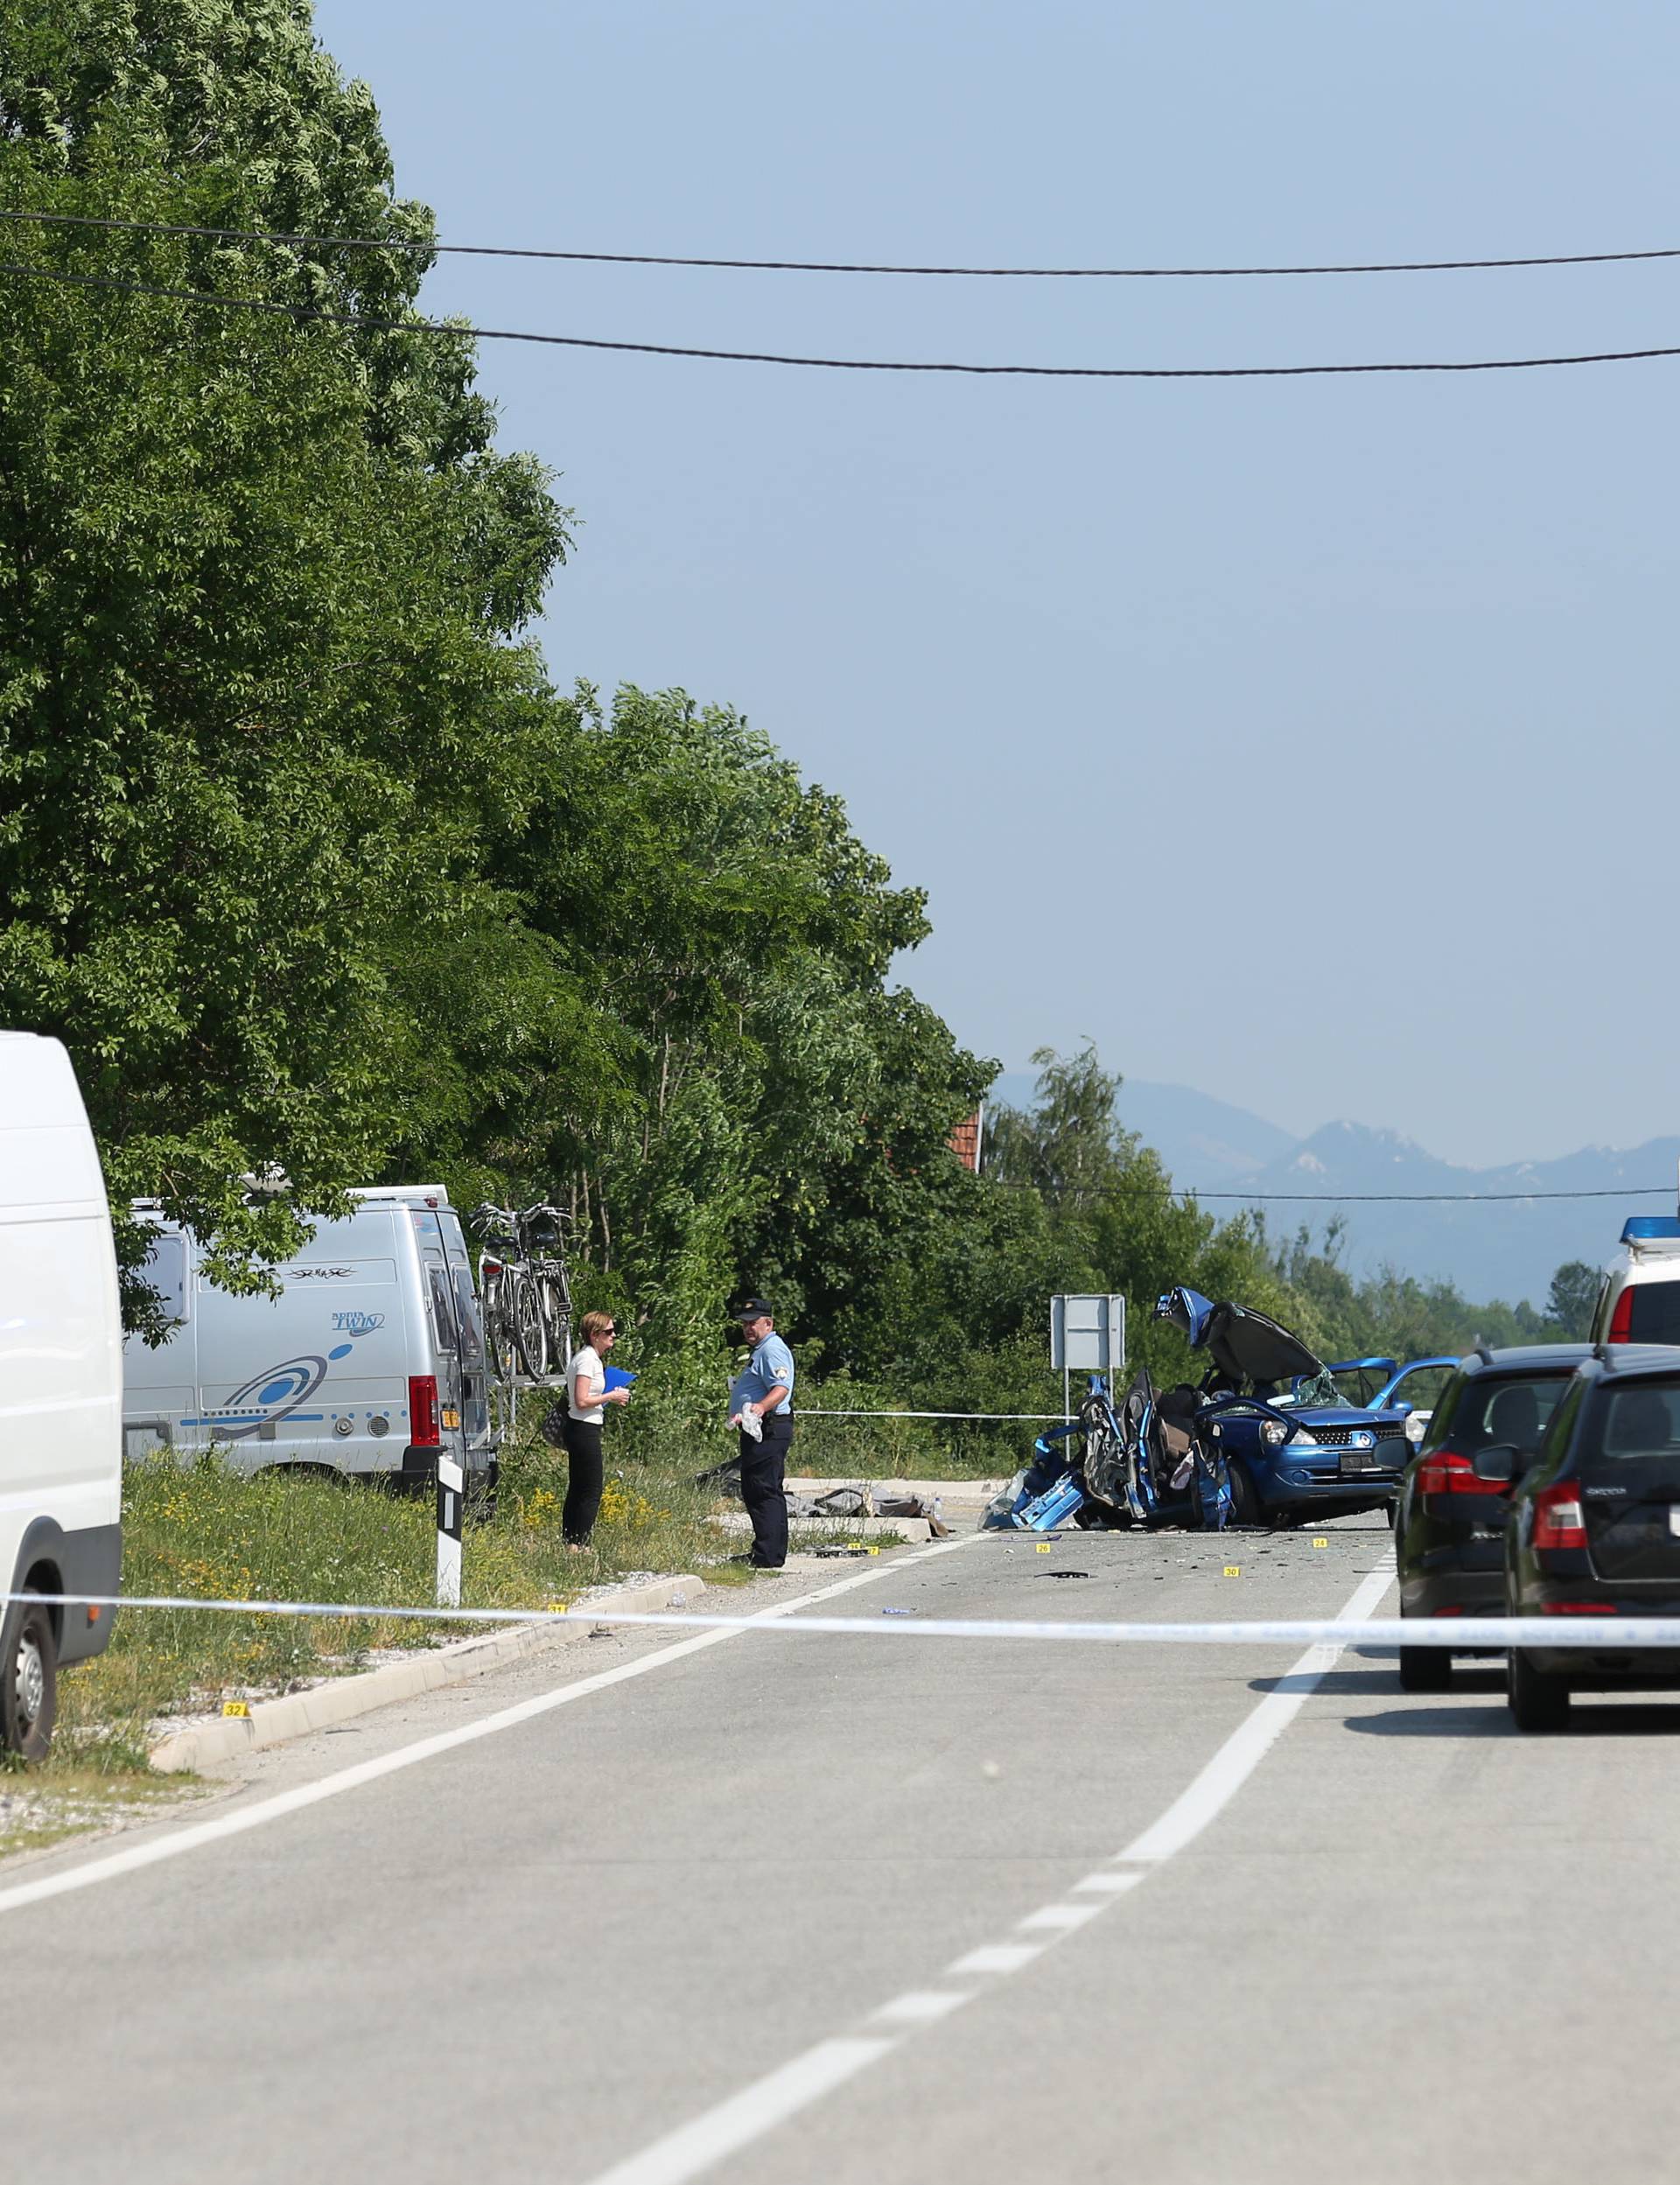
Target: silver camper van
[[370, 1361]]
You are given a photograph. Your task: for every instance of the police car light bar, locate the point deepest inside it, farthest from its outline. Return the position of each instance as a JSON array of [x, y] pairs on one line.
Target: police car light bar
[[1651, 1229]]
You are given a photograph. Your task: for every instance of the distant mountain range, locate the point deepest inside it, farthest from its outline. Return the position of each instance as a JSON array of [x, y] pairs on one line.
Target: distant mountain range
[[1505, 1250]]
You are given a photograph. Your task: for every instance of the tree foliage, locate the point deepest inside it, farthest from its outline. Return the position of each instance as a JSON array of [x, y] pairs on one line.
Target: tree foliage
[[315, 873]]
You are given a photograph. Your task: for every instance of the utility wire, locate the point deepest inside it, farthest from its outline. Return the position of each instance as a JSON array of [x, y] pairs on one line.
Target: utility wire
[[820, 265], [1168, 1189], [303, 314], [1403, 1198]]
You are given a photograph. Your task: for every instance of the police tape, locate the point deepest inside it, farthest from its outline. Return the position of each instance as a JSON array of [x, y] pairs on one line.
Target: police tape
[[1462, 1635]]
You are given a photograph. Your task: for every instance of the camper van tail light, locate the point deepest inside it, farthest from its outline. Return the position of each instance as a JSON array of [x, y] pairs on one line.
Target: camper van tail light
[[423, 1411], [1558, 1519], [1622, 1321]]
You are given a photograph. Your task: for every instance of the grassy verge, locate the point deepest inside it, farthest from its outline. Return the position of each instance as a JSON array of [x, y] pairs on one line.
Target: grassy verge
[[40, 1808], [211, 1532]]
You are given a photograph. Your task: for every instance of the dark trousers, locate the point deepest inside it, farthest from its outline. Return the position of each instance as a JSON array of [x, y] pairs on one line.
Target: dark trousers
[[582, 1480], [763, 1464]]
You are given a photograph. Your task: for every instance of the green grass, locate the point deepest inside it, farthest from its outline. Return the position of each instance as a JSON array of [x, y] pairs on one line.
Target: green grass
[[39, 1808], [210, 1532]]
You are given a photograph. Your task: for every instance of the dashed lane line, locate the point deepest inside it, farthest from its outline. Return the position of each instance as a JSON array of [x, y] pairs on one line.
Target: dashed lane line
[[736, 2123]]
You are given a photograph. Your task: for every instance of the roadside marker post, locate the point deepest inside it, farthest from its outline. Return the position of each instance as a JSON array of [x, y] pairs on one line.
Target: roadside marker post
[[451, 1485]]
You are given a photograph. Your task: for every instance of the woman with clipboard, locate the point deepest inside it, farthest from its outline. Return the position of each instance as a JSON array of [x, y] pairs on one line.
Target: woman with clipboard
[[592, 1384]]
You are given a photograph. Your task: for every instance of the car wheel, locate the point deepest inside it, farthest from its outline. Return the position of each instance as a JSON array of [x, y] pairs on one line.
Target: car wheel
[[29, 1687], [1538, 1699], [1245, 1502], [1425, 1668]]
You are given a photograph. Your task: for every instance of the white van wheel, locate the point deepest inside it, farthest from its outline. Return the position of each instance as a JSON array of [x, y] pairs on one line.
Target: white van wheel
[[29, 1692]]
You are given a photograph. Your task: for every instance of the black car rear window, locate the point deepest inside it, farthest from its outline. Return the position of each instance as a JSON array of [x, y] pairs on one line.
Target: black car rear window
[[1655, 1312], [1478, 1410], [1640, 1420]]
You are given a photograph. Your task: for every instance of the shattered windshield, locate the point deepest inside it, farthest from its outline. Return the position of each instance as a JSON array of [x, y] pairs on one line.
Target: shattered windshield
[[1316, 1391]]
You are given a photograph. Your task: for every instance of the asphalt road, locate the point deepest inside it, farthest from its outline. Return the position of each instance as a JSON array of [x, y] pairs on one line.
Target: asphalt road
[[720, 1919]]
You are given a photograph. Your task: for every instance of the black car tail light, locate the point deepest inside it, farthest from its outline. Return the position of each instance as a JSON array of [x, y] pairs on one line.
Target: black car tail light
[[1559, 1522], [1444, 1472]]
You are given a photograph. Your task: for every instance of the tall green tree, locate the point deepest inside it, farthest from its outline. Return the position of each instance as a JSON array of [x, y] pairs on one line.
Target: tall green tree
[[262, 699]]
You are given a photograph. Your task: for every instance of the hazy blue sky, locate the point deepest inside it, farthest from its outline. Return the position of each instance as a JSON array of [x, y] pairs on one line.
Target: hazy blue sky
[[1309, 742]]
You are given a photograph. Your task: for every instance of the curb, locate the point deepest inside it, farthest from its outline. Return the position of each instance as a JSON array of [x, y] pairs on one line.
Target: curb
[[273, 1721]]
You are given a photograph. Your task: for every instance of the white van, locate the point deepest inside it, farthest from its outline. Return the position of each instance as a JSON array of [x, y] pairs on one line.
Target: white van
[[370, 1360], [60, 1385], [1639, 1295]]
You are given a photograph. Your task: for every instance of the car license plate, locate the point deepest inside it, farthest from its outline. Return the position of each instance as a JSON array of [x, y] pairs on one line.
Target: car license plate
[[1360, 1460]]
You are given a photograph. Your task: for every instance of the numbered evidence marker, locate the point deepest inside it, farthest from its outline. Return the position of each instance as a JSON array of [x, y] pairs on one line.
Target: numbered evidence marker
[[1044, 1547], [237, 1706], [1319, 1541], [1232, 1570]]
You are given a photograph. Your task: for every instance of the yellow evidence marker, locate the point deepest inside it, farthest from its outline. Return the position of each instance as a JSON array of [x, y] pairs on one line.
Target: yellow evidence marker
[[1044, 1547], [1319, 1541], [1232, 1570], [236, 1706]]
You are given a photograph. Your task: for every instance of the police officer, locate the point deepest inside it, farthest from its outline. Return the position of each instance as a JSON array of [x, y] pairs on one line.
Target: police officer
[[761, 1405]]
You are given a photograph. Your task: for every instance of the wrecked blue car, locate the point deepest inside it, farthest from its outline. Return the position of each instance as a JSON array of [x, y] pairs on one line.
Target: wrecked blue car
[[1294, 1444], [1145, 1463]]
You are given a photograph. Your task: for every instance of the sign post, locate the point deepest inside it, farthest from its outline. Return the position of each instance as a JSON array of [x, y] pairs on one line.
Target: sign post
[[452, 1494], [1088, 1335]]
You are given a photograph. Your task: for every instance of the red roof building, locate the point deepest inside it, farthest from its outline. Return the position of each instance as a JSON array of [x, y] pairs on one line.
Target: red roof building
[[967, 1138]]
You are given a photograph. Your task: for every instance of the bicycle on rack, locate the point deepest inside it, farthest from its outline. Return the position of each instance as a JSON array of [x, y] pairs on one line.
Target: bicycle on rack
[[527, 1294], [541, 1228]]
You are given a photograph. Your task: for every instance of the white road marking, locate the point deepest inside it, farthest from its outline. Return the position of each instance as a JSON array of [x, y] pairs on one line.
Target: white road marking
[[694, 2147], [920, 2007], [180, 1841], [1239, 1756], [998, 1958], [748, 2115], [1054, 1919]]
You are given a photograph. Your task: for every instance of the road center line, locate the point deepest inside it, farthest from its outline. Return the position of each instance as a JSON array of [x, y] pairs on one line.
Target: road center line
[[743, 2117], [1243, 1752], [180, 1841]]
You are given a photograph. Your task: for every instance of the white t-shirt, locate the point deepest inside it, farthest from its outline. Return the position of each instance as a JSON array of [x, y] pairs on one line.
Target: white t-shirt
[[587, 1362]]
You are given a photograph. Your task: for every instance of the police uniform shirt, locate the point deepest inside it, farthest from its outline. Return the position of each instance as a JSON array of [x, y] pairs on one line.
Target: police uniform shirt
[[770, 1366]]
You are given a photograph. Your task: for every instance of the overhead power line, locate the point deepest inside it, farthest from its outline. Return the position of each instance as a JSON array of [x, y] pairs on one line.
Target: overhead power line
[[305, 314], [824, 265], [1408, 1198], [1167, 1189]]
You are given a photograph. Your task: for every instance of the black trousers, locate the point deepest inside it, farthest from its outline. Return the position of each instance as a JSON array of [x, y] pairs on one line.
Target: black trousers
[[764, 1465], [582, 1480]]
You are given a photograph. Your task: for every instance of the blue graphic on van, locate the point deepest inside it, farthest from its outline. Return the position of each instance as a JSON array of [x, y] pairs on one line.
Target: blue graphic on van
[[274, 1393], [357, 1323]]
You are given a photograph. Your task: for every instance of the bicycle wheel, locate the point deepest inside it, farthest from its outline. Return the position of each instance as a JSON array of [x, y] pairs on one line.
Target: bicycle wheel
[[529, 1337], [498, 1334], [556, 1321]]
